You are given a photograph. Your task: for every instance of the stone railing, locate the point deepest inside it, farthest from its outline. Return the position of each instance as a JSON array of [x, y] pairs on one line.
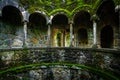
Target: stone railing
[[105, 59]]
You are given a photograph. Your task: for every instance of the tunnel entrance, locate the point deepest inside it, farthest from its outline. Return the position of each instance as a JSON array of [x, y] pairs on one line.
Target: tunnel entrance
[[107, 37]]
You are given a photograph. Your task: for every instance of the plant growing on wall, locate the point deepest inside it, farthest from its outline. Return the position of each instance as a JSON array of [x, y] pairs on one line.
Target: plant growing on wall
[[68, 6], [53, 6], [97, 71]]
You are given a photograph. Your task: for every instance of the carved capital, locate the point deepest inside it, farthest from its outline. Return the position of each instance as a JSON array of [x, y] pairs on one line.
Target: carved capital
[[95, 18]]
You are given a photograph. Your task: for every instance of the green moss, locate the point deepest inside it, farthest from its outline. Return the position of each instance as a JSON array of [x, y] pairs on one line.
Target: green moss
[[99, 72], [81, 7], [50, 7], [69, 6], [117, 2], [60, 10], [96, 5]]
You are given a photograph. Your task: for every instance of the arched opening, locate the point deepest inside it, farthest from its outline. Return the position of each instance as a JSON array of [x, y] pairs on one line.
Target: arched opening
[[82, 37], [107, 37], [82, 24], [60, 30], [37, 20], [37, 30], [11, 27], [60, 19], [106, 12], [12, 15], [107, 15], [82, 18]]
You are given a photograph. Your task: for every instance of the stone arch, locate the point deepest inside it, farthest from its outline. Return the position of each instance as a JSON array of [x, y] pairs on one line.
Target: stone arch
[[81, 18], [101, 2], [12, 15], [59, 11], [105, 9], [37, 30], [14, 3], [107, 16], [60, 30], [37, 20], [11, 26], [81, 23], [59, 19], [106, 37]]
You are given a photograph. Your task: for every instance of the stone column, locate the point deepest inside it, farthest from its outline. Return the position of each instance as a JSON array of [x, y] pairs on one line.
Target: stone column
[[117, 9], [25, 34], [95, 33], [71, 33], [25, 21], [62, 38], [119, 27], [94, 19], [49, 34]]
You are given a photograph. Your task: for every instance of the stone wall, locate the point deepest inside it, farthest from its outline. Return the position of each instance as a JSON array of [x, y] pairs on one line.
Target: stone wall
[[12, 36], [107, 60], [36, 38]]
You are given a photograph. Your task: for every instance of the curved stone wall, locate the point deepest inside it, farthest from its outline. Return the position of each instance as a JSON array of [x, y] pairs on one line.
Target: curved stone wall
[[106, 60]]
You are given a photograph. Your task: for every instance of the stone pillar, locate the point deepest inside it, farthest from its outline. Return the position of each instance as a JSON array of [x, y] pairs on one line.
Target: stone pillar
[[119, 28], [62, 38], [94, 33], [49, 34], [25, 34], [71, 33], [75, 39], [25, 21], [117, 9], [94, 19]]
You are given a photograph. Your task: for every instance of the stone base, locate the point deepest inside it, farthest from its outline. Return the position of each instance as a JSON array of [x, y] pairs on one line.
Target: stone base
[[95, 46]]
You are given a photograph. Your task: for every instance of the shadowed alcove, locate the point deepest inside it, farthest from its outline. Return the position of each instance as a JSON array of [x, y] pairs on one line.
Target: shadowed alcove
[[60, 30], [37, 30], [107, 37], [11, 15], [109, 22], [82, 36], [82, 24], [37, 20]]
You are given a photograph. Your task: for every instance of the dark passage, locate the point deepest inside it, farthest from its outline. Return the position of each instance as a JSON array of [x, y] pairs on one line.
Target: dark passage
[[82, 36], [107, 37], [12, 15]]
